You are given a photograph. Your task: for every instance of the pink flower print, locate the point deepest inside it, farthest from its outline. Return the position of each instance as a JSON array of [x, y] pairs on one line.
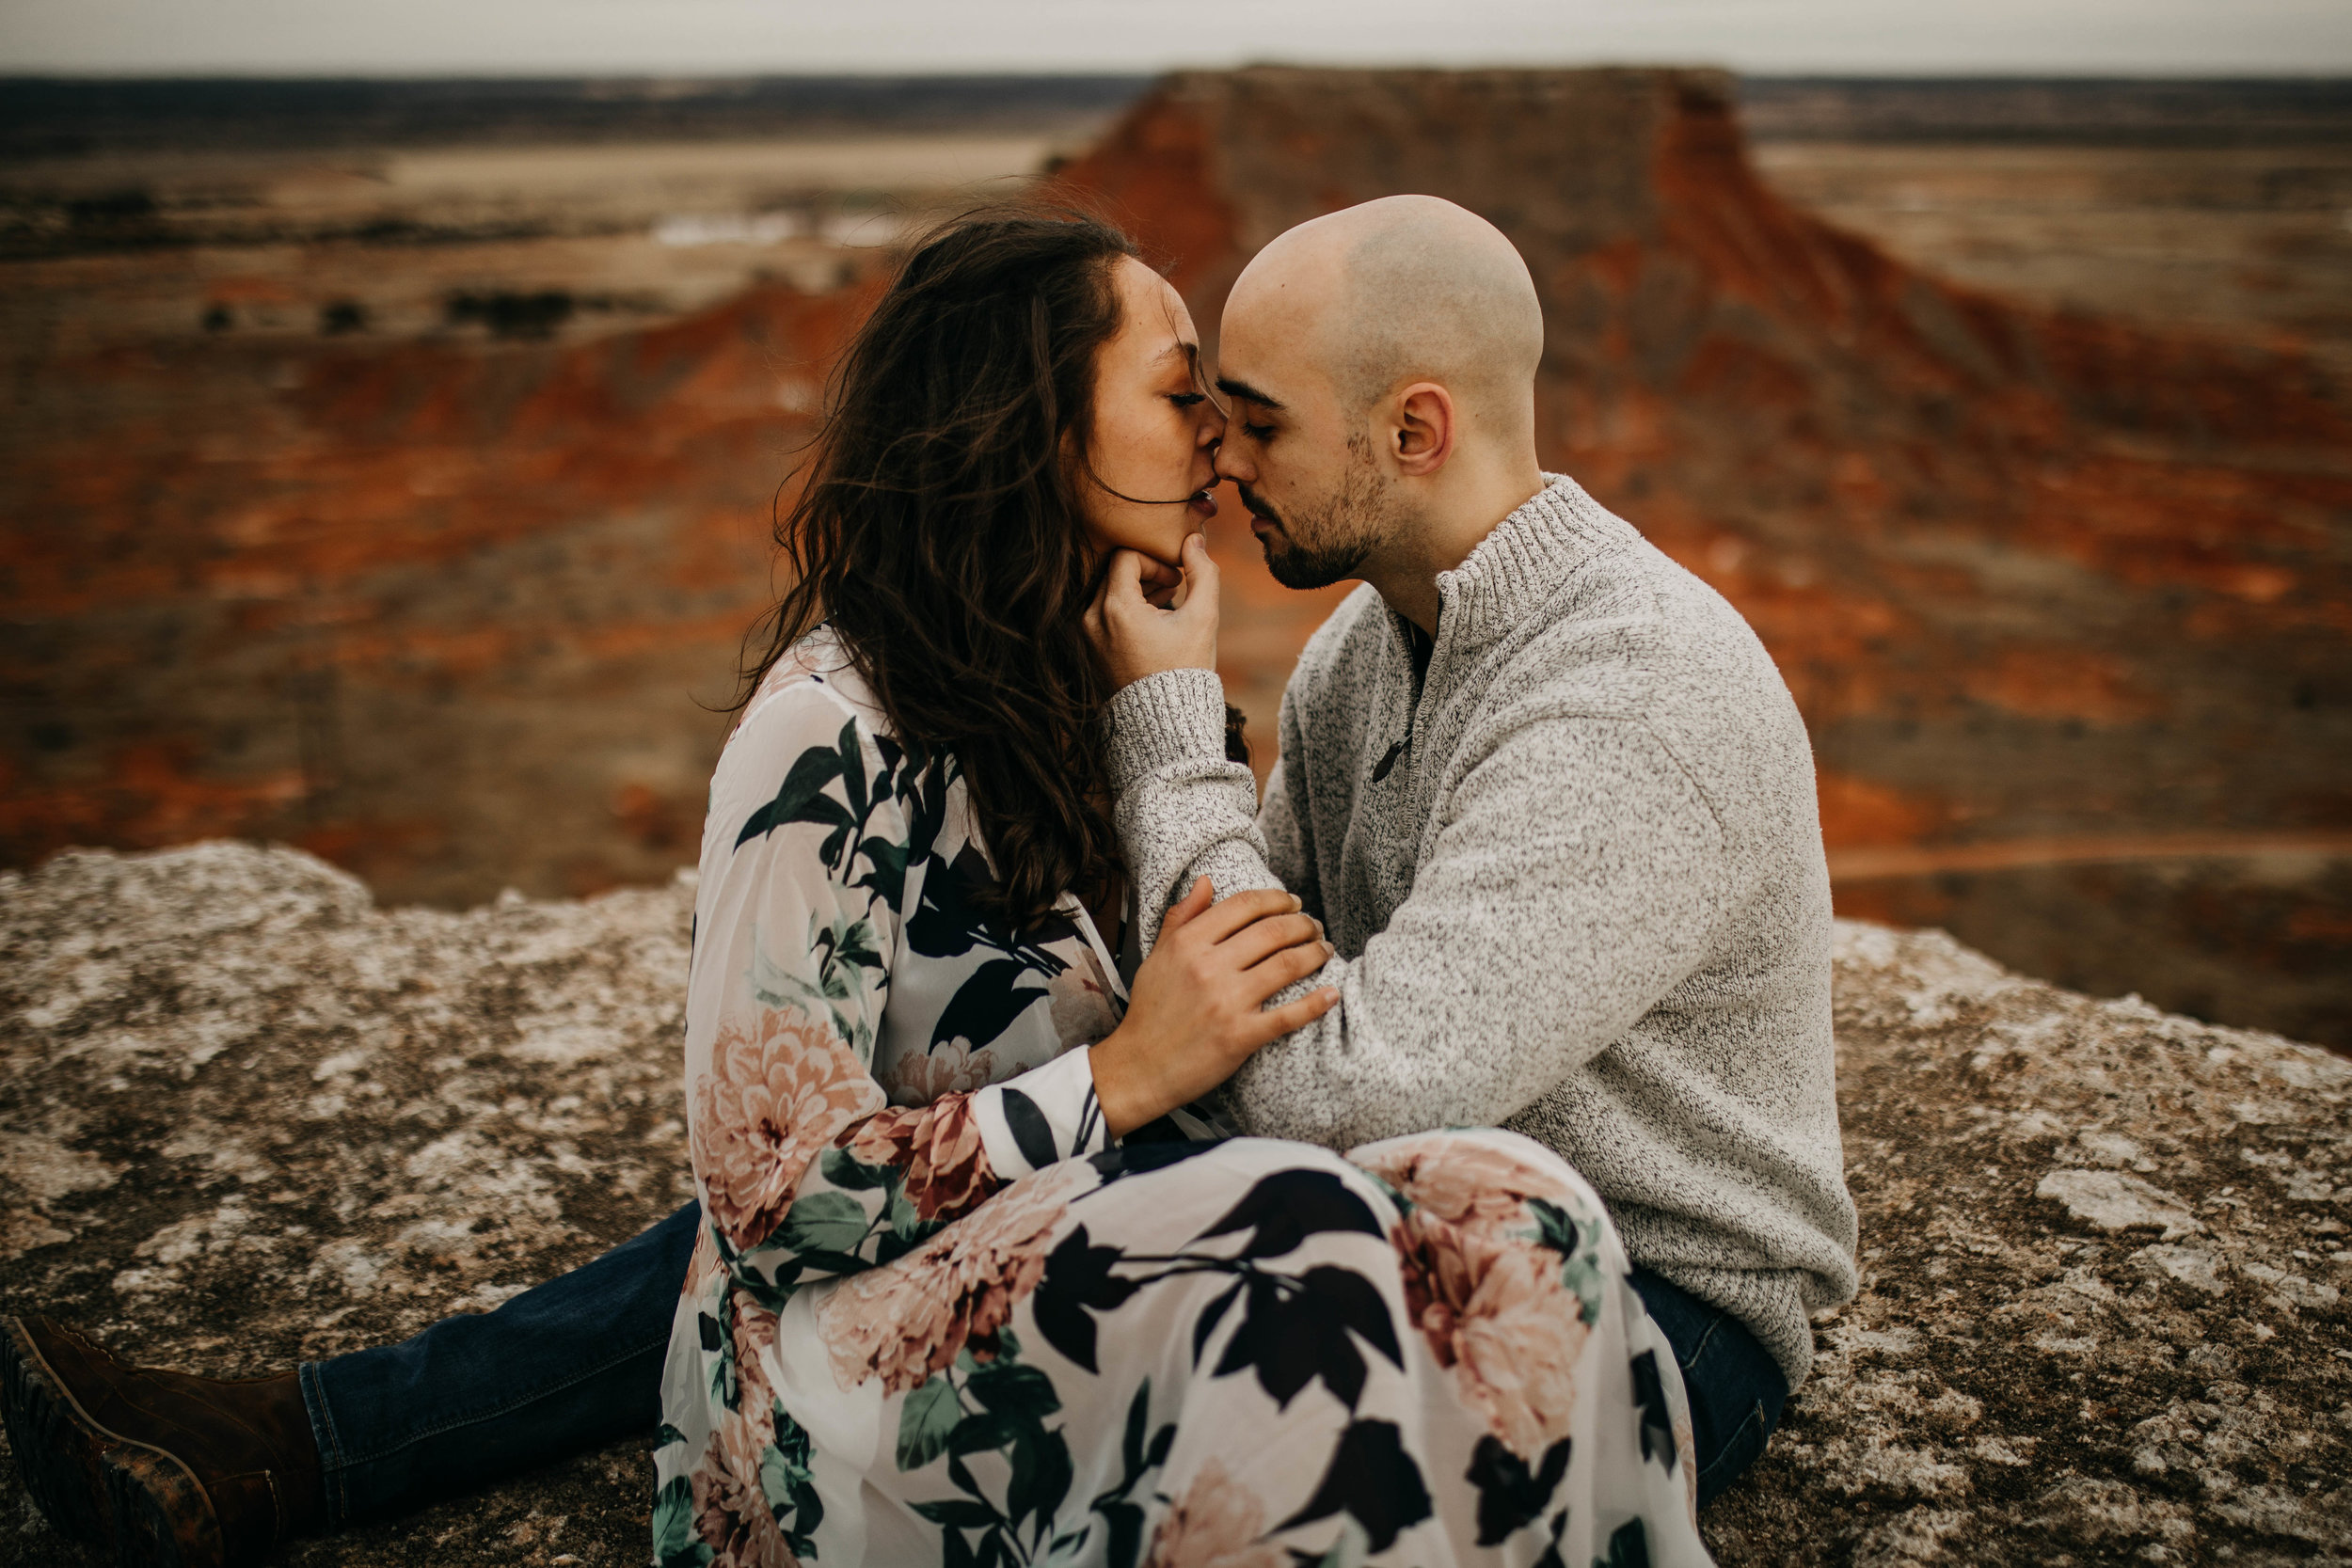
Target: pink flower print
[[938, 1146], [774, 1096], [731, 1512], [1464, 1178], [704, 1265], [1492, 1307], [754, 1330], [1082, 1010], [912, 1318], [950, 1068], [1216, 1524]]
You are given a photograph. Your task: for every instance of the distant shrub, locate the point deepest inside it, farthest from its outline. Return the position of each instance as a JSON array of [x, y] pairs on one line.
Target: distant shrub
[[511, 313]]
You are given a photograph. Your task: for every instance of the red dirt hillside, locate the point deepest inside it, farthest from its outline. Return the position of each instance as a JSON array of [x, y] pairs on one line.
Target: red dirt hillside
[[444, 615], [2065, 603]]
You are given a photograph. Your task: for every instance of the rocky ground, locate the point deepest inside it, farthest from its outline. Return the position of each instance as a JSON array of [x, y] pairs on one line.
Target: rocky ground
[[249, 1117]]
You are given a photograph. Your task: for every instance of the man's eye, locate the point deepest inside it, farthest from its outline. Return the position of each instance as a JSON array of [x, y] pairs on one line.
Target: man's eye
[[1257, 432], [1186, 400]]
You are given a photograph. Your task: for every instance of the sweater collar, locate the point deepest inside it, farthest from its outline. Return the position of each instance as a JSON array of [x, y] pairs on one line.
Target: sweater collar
[[1515, 568]]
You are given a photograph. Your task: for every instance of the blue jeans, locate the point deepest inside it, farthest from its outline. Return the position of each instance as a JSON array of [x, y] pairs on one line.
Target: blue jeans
[[570, 1365], [1735, 1387], [576, 1363]]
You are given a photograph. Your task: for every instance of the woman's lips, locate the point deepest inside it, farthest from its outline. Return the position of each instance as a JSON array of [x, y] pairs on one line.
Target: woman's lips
[[1203, 504]]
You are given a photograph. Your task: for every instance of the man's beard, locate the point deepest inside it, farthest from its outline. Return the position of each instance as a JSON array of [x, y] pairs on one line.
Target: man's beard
[[1329, 544]]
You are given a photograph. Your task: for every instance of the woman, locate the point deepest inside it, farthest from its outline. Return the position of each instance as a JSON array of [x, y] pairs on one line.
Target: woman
[[964, 1294]]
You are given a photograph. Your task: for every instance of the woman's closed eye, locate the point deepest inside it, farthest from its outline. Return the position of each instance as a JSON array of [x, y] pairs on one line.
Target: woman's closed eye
[[1187, 400]]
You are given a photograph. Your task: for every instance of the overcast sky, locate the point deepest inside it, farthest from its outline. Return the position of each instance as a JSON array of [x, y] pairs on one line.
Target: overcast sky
[[665, 37]]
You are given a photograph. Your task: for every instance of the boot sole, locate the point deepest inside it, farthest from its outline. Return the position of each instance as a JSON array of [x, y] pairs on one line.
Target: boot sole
[[136, 1502], [56, 1446], [161, 1518]]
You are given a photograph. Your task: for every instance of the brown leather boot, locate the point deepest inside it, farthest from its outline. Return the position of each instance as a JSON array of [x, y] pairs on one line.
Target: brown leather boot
[[163, 1469]]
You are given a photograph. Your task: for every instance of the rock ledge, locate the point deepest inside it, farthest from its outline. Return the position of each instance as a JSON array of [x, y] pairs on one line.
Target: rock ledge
[[250, 1117]]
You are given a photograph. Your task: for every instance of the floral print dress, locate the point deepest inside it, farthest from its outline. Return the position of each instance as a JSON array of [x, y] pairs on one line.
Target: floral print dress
[[937, 1316]]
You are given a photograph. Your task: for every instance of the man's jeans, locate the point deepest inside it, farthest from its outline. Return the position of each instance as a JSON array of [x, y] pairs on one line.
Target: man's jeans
[[576, 1363], [1735, 1387]]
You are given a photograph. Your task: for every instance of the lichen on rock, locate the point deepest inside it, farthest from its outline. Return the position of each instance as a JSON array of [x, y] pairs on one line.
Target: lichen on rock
[[2104, 1256], [246, 1117]]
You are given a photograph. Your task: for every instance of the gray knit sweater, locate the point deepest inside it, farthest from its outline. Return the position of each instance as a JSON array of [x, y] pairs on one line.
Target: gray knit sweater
[[1574, 875]]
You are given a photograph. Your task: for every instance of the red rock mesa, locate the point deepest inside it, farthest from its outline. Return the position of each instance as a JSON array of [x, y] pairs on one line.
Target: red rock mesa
[[2063, 601]]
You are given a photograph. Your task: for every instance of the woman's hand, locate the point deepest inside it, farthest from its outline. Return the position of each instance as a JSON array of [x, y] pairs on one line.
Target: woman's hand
[[1197, 1011], [1149, 617]]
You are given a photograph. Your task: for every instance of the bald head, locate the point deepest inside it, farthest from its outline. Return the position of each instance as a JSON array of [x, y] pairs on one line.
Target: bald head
[[1408, 288], [1382, 365]]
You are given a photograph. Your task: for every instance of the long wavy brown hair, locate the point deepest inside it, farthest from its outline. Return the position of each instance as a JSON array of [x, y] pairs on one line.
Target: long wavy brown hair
[[938, 528]]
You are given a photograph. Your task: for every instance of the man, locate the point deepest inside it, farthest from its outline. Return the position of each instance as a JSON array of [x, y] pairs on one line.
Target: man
[[1546, 791]]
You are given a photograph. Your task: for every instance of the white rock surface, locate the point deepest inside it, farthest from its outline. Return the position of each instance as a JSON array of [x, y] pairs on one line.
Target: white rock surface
[[246, 1117]]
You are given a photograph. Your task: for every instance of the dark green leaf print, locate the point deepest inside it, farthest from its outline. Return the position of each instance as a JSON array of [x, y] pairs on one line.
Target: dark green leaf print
[[1122, 1518], [1140, 1159], [1211, 1315], [1510, 1495], [1032, 1134], [1010, 1388], [788, 1485], [989, 1000], [1628, 1547], [1077, 1283], [795, 798], [802, 797], [1286, 1208], [1658, 1426], [1042, 1474], [719, 1345], [1555, 1227], [958, 1512], [1373, 1480], [824, 1222], [674, 1543], [846, 1171], [929, 1414], [887, 872], [1294, 1331]]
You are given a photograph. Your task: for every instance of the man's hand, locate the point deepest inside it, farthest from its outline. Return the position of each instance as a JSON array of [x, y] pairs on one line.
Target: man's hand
[[1198, 1009], [1139, 636]]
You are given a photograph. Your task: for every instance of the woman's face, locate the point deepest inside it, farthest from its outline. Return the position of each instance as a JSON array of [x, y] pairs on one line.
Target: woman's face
[[1155, 427]]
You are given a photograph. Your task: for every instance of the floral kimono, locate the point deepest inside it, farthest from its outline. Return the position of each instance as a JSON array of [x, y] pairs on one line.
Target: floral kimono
[[937, 1315]]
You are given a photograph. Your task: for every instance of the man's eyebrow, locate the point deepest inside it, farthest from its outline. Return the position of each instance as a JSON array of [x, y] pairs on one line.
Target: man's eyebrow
[[1246, 393]]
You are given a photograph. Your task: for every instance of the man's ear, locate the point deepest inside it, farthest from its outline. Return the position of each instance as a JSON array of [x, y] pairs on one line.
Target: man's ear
[[1422, 436]]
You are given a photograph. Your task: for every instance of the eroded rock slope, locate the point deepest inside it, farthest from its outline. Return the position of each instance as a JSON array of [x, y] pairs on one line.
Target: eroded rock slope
[[249, 1117]]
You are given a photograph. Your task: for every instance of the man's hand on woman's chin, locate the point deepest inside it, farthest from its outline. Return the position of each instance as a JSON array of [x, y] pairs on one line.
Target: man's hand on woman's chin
[[1150, 617]]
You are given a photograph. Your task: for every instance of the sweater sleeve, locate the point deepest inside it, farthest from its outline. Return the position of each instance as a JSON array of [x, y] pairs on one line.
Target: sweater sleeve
[[803, 1169], [1285, 823], [1531, 940]]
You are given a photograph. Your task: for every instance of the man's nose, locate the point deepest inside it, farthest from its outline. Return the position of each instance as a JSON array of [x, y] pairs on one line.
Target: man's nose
[[1231, 467]]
